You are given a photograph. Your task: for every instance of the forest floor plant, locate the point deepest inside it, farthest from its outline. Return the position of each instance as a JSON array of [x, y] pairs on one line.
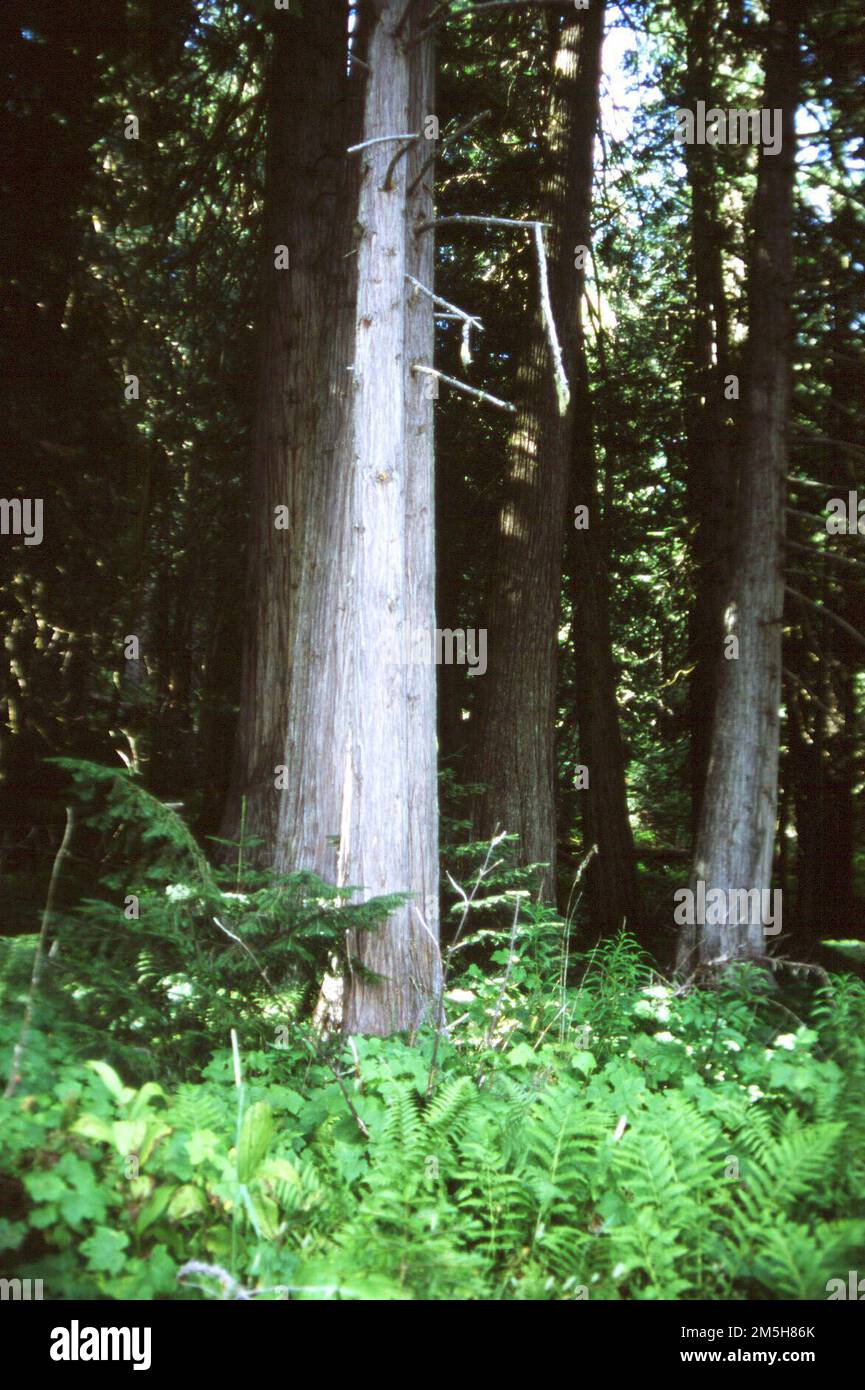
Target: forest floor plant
[[582, 1129]]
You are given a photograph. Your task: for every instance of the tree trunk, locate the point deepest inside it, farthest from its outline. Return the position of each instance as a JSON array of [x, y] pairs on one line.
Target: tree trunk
[[513, 745], [307, 317], [710, 476], [610, 883], [736, 832], [347, 606]]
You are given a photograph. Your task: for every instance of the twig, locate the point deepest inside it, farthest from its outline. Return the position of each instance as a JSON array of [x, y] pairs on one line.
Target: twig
[[319, 1055], [797, 680], [486, 868], [231, 1285], [563, 391], [825, 554], [468, 320], [36, 975], [526, 223], [828, 613], [843, 444], [386, 186], [436, 23], [380, 140], [242, 944], [501, 995], [442, 145], [463, 386]]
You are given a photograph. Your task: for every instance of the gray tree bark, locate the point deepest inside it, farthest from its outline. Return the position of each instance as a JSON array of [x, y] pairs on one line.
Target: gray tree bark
[[339, 687], [512, 752], [306, 322], [710, 465], [736, 833]]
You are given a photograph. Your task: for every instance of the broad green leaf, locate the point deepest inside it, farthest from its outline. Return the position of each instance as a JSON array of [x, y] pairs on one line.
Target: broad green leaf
[[256, 1132], [109, 1078]]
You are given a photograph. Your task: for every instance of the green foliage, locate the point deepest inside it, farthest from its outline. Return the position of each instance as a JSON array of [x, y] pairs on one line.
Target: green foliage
[[626, 1141], [208, 949]]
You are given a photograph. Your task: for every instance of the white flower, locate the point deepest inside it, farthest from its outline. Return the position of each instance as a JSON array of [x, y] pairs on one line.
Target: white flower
[[176, 987], [664, 1037], [754, 1093], [178, 892], [657, 992], [731, 1045], [651, 1008], [786, 1040], [238, 897]]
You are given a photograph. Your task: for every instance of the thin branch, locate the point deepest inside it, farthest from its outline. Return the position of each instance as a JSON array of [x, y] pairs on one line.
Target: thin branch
[[468, 320], [319, 1054], [442, 145], [259, 967], [843, 444], [387, 185], [401, 23], [828, 613], [501, 995], [36, 975], [464, 386], [807, 482], [526, 223], [485, 868], [487, 5], [825, 554], [563, 390], [380, 140], [507, 5], [814, 518], [797, 680]]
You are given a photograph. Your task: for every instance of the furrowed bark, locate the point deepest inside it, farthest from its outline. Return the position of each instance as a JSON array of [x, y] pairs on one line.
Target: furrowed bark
[[306, 330], [513, 745], [736, 831]]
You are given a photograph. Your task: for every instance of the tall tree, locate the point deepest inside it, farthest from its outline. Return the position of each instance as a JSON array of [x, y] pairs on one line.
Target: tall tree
[[736, 833], [308, 289], [710, 473], [336, 752], [611, 875], [513, 745]]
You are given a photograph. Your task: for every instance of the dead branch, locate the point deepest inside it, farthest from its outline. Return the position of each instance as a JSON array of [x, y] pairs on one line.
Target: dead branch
[[828, 613], [464, 386], [563, 391], [471, 220], [387, 185], [443, 144], [825, 554], [380, 140]]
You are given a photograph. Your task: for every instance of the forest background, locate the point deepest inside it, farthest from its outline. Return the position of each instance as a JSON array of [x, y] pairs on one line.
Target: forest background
[[223, 362]]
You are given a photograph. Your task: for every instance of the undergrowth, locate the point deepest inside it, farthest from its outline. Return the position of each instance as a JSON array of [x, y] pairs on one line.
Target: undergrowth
[[582, 1130]]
